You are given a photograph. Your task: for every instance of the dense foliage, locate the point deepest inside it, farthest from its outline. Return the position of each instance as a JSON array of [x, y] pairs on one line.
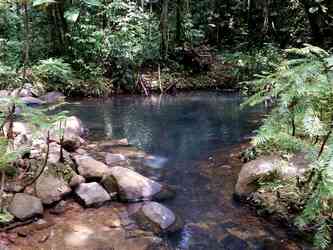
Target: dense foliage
[[301, 120], [87, 46]]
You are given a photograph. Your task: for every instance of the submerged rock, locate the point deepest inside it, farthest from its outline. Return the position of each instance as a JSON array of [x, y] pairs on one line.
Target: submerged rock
[[24, 206], [232, 242], [92, 194], [88, 167], [50, 188], [132, 186], [157, 218]]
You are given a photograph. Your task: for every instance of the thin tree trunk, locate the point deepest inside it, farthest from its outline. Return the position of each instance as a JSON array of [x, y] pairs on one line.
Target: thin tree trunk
[[164, 28], [179, 21], [27, 39]]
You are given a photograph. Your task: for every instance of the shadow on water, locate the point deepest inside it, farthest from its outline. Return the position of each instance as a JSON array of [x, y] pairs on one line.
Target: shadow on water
[[192, 135]]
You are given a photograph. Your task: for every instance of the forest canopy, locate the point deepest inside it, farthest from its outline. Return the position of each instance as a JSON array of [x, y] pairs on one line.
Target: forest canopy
[[87, 46]]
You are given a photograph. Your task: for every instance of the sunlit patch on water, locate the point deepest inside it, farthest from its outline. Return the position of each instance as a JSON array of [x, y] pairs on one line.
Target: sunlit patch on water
[[154, 161]]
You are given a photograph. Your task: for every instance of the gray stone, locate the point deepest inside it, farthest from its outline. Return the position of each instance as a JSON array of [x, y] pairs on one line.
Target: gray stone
[[157, 218], [159, 214], [71, 125], [252, 171], [92, 194], [88, 167], [264, 166], [132, 186], [112, 159], [50, 188], [76, 180], [24, 206]]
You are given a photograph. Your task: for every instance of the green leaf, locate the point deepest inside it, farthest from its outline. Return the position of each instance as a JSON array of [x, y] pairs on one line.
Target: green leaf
[[37, 3], [96, 3], [72, 15], [329, 62]]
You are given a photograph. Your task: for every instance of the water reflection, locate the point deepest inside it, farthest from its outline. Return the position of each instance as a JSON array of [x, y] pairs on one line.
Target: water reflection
[[182, 127]]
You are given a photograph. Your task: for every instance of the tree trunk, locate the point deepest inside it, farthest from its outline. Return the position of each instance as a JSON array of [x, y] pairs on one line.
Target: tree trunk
[[27, 39], [164, 28], [179, 21], [315, 23]]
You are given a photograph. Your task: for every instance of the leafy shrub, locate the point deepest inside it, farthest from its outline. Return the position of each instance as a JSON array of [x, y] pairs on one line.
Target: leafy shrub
[[54, 73], [302, 120], [8, 77], [249, 64]]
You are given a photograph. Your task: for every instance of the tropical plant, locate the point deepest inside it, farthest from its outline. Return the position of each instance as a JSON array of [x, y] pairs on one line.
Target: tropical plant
[[302, 121]]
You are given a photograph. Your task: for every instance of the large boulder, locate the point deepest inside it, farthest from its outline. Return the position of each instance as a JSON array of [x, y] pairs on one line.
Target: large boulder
[[157, 218], [71, 126], [24, 206], [92, 194], [71, 129], [53, 97], [88, 167], [50, 188], [132, 186], [265, 166]]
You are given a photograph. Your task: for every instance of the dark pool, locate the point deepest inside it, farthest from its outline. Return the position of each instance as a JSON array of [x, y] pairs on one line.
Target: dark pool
[[192, 133]]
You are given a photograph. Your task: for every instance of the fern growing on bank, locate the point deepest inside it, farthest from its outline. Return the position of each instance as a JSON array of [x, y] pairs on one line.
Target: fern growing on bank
[[301, 93]]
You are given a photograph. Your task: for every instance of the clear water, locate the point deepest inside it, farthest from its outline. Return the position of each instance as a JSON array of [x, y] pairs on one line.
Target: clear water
[[191, 134]]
